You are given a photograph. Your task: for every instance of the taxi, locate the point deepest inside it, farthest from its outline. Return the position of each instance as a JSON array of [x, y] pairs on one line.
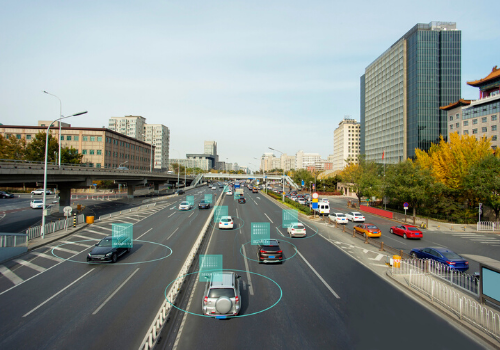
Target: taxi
[[368, 230]]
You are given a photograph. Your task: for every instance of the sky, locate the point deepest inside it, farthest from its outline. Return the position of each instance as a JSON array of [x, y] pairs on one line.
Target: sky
[[246, 74]]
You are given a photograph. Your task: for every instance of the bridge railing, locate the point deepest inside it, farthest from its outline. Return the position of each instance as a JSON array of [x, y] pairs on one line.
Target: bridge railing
[[35, 232], [488, 225]]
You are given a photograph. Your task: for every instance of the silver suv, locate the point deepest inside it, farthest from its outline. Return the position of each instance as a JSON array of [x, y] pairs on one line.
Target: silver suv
[[222, 295]]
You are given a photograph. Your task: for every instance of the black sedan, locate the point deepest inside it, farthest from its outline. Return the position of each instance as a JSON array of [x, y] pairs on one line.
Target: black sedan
[[269, 251], [204, 204], [105, 252], [4, 194], [242, 200], [179, 192]]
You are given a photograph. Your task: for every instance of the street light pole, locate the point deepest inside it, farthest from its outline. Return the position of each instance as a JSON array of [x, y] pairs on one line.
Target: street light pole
[[45, 169], [60, 115], [283, 174]]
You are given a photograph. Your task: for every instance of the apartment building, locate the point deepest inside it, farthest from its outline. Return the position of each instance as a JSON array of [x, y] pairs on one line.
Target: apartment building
[[304, 160], [132, 126], [346, 143]]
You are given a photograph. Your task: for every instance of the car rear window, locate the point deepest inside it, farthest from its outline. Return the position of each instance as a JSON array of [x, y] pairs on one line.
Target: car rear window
[[221, 292], [300, 227], [451, 255], [340, 215], [225, 220], [371, 227], [271, 248], [413, 229]]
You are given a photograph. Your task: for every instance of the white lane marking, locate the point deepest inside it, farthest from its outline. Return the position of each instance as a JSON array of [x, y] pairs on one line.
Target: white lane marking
[[172, 208], [104, 228], [191, 214], [46, 256], [78, 244], [30, 265], [378, 265], [269, 218], [317, 274], [62, 249], [249, 278], [365, 251], [10, 275], [171, 214], [97, 232], [280, 232], [144, 233], [258, 198], [85, 237], [489, 242], [172, 233], [62, 290], [378, 258], [116, 291]]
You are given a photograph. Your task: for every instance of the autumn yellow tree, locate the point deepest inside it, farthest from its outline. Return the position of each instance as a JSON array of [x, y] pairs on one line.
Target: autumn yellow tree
[[450, 162]]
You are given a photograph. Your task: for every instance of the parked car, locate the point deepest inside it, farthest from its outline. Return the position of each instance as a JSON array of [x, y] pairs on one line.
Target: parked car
[[105, 252], [407, 231], [40, 191], [354, 216], [36, 204], [443, 255], [180, 192], [340, 218], [222, 296], [269, 251], [203, 204], [296, 230], [226, 222], [242, 200], [4, 194], [185, 206], [369, 230], [323, 208]]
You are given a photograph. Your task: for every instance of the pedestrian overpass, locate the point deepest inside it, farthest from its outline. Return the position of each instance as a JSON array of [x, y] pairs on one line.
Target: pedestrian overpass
[[266, 177]]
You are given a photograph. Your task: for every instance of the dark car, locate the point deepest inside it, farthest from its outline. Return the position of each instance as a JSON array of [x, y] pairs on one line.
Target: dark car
[[443, 255], [269, 251], [242, 200], [4, 194], [179, 192], [204, 204], [105, 252]]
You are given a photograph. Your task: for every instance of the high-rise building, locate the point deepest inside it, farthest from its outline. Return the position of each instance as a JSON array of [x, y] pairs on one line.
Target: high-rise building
[[132, 126], [266, 162], [159, 135], [210, 147], [304, 160], [346, 143], [402, 90]]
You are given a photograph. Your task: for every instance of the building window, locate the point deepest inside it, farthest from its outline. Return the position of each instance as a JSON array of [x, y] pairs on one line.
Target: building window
[[458, 116], [85, 138], [84, 151], [466, 132], [451, 126], [466, 122], [99, 152], [98, 165], [62, 137], [92, 138], [99, 138], [484, 119], [18, 136], [68, 138], [493, 118], [494, 138], [457, 125], [75, 138], [493, 128], [484, 129], [42, 124], [474, 131], [451, 118], [474, 121], [92, 152], [28, 137]]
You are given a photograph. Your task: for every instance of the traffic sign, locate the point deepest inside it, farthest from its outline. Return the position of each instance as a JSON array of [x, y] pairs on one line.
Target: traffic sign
[[302, 183], [405, 205], [315, 200], [315, 195], [67, 211], [315, 205]]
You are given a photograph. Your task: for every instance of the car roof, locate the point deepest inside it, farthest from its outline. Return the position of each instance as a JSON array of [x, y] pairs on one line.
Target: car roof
[[225, 217], [225, 281], [441, 249]]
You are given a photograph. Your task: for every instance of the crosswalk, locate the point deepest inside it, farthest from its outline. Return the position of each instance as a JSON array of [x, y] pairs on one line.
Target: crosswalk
[[479, 238], [16, 271]]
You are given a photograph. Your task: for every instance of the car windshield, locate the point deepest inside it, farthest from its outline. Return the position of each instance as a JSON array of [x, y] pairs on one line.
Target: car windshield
[[451, 255], [412, 229], [107, 242], [221, 292], [372, 227]]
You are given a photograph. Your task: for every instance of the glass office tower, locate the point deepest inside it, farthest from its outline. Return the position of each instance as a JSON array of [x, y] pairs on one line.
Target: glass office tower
[[404, 88]]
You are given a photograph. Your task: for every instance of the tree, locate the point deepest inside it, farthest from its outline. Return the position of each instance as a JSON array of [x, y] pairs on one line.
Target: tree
[[363, 177], [35, 150], [484, 181], [12, 148], [70, 155], [409, 182]]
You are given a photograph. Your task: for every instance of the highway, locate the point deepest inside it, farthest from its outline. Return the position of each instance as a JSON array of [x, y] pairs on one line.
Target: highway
[[64, 304], [319, 298]]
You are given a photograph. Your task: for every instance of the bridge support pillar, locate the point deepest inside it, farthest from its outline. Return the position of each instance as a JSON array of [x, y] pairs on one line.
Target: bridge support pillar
[[64, 196], [130, 191], [156, 189]]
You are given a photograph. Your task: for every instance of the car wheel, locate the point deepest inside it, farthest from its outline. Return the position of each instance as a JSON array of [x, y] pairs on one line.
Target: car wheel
[[114, 258], [413, 255], [391, 231], [404, 236]]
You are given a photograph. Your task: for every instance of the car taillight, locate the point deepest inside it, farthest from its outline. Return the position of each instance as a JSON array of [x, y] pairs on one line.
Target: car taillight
[[466, 263], [205, 300], [236, 299], [220, 223], [450, 263], [262, 251], [279, 251]]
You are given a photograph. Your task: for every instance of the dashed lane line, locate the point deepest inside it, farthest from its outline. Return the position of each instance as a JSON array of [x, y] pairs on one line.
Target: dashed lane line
[[172, 233], [269, 218], [11, 276], [116, 291]]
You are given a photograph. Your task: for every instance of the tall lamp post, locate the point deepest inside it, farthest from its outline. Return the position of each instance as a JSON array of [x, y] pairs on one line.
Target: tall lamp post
[[264, 179], [60, 115], [44, 210], [272, 149]]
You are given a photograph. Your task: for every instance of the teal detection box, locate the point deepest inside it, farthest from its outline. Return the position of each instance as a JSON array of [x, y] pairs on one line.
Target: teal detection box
[[220, 210], [260, 232], [208, 198], [190, 199], [289, 216], [210, 268], [122, 235]]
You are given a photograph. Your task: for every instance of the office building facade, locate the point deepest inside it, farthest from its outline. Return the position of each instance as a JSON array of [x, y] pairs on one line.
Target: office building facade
[[346, 143], [403, 89]]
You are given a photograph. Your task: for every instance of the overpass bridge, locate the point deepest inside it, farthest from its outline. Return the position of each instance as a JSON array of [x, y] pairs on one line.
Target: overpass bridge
[[18, 173], [288, 179]]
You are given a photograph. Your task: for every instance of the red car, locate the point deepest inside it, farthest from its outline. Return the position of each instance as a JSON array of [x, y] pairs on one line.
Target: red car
[[407, 231]]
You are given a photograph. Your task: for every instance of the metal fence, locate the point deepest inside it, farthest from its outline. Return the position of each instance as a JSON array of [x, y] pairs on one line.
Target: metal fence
[[462, 306], [8, 240], [488, 225], [36, 231]]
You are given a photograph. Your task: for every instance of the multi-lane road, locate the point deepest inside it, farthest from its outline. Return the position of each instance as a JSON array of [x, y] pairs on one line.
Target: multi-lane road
[[319, 298]]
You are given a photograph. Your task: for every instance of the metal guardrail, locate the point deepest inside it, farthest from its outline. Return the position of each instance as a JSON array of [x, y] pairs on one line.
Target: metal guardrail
[[462, 306], [35, 232], [118, 213], [488, 225], [8, 240]]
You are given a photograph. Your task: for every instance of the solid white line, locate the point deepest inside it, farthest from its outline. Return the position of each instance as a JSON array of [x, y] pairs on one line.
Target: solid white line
[[116, 291], [317, 274], [10, 275], [250, 285], [378, 258], [78, 244], [269, 218], [378, 265], [62, 290], [280, 232], [30, 265], [144, 233], [47, 256], [172, 233]]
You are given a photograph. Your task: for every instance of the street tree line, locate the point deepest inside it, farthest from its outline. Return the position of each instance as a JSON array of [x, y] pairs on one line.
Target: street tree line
[[448, 181]]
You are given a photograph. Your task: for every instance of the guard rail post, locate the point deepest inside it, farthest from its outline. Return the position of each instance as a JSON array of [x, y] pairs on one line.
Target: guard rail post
[[74, 219], [381, 246]]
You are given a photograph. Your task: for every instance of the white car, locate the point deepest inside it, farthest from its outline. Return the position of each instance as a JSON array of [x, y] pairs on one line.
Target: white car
[[340, 218], [36, 204], [301, 201], [296, 230], [214, 188], [40, 191], [354, 216], [185, 206], [226, 222], [324, 200], [229, 193]]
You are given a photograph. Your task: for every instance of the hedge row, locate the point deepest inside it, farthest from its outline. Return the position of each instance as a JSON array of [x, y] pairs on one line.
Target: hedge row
[[303, 208]]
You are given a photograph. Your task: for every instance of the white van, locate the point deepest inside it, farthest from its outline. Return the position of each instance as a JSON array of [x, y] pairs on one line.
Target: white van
[[323, 208]]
